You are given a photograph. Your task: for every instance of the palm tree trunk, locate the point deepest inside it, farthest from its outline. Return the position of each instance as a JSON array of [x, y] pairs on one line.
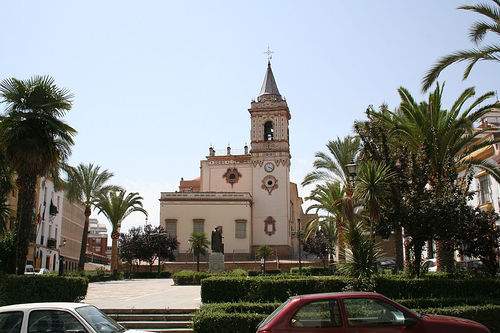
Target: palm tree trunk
[[198, 262], [114, 250], [83, 247], [398, 248], [24, 225]]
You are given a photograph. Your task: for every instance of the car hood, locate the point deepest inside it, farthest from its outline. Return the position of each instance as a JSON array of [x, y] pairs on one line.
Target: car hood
[[135, 331], [439, 320]]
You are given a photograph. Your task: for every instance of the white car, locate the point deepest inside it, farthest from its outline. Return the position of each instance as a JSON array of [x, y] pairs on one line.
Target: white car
[[430, 265], [57, 317], [43, 271], [29, 270]]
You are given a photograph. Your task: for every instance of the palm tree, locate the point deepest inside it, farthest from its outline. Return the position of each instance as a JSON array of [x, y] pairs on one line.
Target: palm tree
[[198, 246], [264, 252], [86, 183], [362, 255], [477, 33], [116, 206], [444, 138], [6, 186], [328, 206], [373, 188], [35, 140], [332, 166]]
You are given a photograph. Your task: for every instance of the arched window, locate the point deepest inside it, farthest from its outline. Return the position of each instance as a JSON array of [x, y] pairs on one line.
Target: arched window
[[268, 131]]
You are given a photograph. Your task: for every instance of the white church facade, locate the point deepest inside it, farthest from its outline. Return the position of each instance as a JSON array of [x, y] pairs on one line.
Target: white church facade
[[249, 195]]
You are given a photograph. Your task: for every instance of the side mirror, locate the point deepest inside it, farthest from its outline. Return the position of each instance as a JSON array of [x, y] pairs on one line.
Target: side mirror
[[410, 321]]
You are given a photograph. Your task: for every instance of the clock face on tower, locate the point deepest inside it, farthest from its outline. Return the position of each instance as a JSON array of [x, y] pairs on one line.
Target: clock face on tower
[[269, 167]]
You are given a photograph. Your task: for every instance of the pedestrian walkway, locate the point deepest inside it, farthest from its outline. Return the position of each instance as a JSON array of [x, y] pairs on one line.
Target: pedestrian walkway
[[143, 294]]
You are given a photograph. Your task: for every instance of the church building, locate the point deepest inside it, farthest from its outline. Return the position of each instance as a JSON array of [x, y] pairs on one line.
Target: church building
[[249, 195]]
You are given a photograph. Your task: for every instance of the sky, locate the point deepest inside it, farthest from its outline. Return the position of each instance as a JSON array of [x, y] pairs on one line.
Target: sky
[[157, 82]]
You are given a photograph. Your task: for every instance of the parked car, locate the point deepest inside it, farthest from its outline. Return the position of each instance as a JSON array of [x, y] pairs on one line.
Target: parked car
[[358, 312], [57, 317], [43, 271], [387, 264], [29, 270], [430, 265]]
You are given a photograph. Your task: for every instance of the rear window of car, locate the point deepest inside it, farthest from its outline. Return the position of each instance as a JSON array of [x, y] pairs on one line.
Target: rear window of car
[[10, 322]]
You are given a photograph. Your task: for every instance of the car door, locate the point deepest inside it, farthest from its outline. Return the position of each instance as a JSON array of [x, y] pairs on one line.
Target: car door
[[54, 321], [320, 316], [372, 315]]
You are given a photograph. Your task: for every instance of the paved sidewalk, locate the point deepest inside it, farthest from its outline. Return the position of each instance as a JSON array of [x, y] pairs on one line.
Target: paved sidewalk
[[143, 294]]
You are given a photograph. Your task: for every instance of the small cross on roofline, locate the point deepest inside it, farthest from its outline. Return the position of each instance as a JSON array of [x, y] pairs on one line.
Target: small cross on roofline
[[269, 53]]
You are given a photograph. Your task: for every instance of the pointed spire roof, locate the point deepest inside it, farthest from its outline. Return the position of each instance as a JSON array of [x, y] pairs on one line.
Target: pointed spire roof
[[269, 86]]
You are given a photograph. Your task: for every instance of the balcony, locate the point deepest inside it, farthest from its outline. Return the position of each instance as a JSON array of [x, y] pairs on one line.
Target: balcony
[[51, 243]]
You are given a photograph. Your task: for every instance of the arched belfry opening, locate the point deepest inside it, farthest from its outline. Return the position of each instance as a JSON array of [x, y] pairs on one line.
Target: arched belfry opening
[[268, 131]]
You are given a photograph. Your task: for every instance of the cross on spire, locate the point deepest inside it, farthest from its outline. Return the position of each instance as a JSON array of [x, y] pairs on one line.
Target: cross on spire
[[269, 54]]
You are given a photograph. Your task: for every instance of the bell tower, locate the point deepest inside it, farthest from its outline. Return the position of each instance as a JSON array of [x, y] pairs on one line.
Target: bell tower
[[270, 154]]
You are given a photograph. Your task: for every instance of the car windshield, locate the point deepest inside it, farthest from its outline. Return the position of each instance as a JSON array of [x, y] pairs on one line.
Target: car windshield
[[98, 320], [272, 315]]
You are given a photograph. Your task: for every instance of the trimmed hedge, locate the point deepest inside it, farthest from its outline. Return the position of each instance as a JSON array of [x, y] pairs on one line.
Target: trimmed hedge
[[147, 275], [189, 278], [280, 287], [268, 272], [16, 289], [313, 271], [244, 317], [231, 317], [487, 315]]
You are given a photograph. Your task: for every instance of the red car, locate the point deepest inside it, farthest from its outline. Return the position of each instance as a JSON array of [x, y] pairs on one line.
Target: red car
[[358, 312]]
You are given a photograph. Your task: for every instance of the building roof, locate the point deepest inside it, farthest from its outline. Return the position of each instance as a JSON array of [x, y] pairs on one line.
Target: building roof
[[269, 86]]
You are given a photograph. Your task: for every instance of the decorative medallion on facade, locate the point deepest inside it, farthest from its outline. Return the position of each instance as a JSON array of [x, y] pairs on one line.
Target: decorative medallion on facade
[[269, 183], [270, 226], [232, 176]]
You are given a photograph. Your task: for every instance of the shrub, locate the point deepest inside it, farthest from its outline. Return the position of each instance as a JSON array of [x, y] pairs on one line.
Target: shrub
[[238, 272], [244, 317], [98, 275], [280, 287], [266, 288], [231, 317], [313, 271], [398, 286], [186, 278], [148, 275], [484, 314], [268, 272], [16, 289]]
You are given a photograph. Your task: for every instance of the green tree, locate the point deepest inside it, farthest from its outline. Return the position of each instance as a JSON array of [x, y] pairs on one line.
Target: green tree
[[373, 189], [8, 253], [440, 143], [116, 206], [327, 204], [362, 255], [264, 252], [382, 145], [86, 183], [331, 167], [6, 186], [198, 246], [478, 31], [35, 140]]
